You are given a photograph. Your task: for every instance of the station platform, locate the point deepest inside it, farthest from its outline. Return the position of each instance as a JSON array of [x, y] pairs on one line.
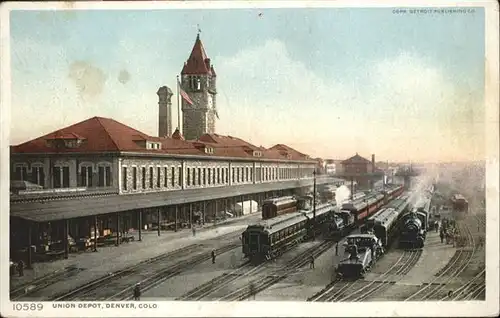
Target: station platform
[[93, 265], [306, 281]]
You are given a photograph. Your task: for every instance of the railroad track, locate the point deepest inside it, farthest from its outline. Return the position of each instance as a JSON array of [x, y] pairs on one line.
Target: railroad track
[[279, 274], [106, 287], [220, 281], [338, 290], [477, 283], [38, 284], [150, 281], [455, 267]]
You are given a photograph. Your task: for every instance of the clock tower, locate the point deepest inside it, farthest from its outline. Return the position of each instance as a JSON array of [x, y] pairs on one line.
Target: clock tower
[[198, 80]]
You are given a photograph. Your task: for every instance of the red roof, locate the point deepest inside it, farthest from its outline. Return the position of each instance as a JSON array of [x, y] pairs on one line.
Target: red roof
[[198, 62], [285, 151], [356, 159], [107, 135]]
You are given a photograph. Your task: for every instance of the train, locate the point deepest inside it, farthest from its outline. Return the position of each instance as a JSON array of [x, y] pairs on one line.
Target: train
[[459, 203], [385, 223], [365, 206], [271, 238], [362, 251], [274, 207], [415, 225]]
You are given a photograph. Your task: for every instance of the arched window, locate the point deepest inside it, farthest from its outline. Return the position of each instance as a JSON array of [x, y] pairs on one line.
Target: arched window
[[21, 171], [38, 174], [86, 170], [60, 175]]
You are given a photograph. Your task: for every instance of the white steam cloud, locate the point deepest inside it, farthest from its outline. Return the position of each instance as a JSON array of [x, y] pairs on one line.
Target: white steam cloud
[[342, 194]]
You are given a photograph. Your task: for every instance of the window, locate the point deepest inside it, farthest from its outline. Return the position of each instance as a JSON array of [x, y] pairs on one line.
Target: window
[[218, 175], [173, 177], [209, 176], [213, 176], [57, 177], [199, 176], [251, 175], [21, 173], [104, 176], [61, 177], [222, 175], [237, 174], [134, 178], [227, 175], [144, 177], [165, 177], [150, 177], [86, 176], [232, 175], [158, 177], [124, 178], [37, 175], [180, 177], [188, 181], [204, 176]]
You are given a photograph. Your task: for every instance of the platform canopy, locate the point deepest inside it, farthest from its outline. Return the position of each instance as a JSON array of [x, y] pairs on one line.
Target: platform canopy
[[48, 211]]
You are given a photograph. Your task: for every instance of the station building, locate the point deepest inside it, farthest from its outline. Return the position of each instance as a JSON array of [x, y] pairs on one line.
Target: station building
[[100, 176]]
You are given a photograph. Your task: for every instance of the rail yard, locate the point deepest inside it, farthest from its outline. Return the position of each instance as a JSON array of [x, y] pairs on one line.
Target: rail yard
[[389, 244]]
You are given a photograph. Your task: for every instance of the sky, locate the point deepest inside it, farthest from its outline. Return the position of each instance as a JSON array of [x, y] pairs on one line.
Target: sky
[[330, 82]]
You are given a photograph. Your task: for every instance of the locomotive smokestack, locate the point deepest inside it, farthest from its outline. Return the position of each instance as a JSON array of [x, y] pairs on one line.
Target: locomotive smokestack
[[373, 163]]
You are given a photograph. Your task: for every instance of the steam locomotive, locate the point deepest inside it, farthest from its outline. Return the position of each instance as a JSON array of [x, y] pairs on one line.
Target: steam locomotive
[[459, 203], [362, 252], [415, 225]]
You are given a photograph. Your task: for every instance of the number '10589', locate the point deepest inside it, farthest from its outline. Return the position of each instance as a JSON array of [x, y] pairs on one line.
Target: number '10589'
[[27, 306]]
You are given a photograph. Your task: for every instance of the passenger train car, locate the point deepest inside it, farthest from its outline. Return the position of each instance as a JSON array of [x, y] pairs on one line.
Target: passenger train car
[[277, 206], [354, 212], [362, 251], [273, 237], [385, 223]]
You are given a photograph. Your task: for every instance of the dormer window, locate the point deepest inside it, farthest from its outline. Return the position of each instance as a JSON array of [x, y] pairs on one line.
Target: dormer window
[[65, 140], [209, 150], [257, 154], [153, 145]]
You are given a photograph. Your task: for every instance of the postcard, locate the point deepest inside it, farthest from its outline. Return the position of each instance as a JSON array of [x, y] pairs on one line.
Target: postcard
[[249, 158]]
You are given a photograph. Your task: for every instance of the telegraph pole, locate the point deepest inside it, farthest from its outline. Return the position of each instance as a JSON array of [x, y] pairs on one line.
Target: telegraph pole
[[314, 204]]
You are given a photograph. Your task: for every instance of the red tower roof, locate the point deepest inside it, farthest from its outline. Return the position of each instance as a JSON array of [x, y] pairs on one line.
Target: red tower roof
[[198, 63]]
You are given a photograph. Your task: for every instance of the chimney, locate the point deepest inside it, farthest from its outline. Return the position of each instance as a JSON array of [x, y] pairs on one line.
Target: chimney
[[164, 111], [373, 163]]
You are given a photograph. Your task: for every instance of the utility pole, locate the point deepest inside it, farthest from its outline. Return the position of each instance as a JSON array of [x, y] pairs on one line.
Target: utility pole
[[314, 204]]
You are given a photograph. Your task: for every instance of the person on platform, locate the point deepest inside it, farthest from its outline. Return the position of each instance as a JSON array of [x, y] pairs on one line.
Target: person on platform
[[436, 226], [252, 290], [213, 256], [137, 292], [441, 235], [194, 230], [312, 262], [337, 249], [20, 268]]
